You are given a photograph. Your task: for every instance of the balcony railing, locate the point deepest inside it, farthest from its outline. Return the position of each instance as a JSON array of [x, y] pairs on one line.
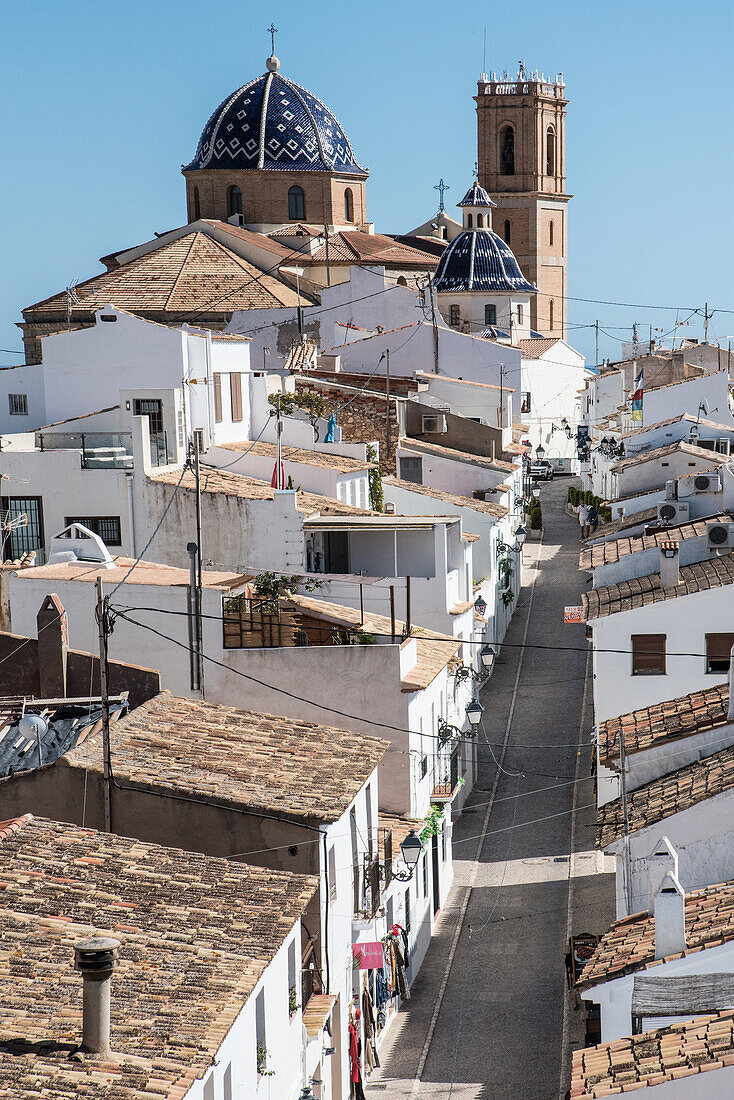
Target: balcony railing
[[367, 886], [446, 776], [99, 450], [385, 843]]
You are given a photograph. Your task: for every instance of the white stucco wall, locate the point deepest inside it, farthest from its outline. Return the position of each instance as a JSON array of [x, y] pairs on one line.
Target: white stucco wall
[[28, 381]]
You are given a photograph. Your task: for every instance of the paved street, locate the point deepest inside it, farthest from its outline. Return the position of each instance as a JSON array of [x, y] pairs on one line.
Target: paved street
[[489, 1016]]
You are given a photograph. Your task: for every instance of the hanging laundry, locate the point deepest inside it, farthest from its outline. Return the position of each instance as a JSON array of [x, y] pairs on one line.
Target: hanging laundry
[[330, 429]]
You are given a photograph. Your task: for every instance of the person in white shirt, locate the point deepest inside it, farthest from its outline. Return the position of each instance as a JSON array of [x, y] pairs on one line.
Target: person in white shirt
[[583, 516]]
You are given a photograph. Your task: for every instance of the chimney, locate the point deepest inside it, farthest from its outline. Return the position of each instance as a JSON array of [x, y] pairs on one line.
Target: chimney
[[669, 565], [662, 860], [95, 958], [53, 645], [670, 918]]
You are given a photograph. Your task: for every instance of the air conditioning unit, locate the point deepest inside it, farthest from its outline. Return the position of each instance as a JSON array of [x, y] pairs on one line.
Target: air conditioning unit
[[707, 483], [672, 511], [720, 536], [201, 440], [434, 424]]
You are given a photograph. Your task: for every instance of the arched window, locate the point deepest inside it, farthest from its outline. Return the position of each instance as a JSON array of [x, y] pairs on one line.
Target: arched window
[[296, 204], [348, 205], [234, 201], [507, 151], [550, 314], [469, 221], [507, 231], [454, 316], [550, 151], [402, 281], [550, 234], [480, 221], [197, 205]]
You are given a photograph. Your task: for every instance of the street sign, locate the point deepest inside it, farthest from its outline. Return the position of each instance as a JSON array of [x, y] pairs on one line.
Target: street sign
[[573, 614]]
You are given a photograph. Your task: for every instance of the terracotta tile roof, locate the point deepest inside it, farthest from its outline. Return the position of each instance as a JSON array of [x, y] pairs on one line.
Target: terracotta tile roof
[[327, 459], [662, 723], [634, 519], [486, 506], [433, 651], [643, 591], [196, 934], [640, 457], [533, 349], [316, 1013], [146, 572], [193, 273], [421, 446], [668, 795], [214, 480], [606, 553], [468, 537], [629, 944], [250, 237], [354, 246], [675, 420], [654, 1057], [400, 827], [296, 230], [461, 607], [467, 382], [234, 757]]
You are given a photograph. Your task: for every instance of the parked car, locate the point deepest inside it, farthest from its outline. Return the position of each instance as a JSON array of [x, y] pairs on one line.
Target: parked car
[[542, 471]]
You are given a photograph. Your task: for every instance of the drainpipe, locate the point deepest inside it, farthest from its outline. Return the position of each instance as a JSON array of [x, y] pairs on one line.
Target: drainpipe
[[95, 958], [131, 513]]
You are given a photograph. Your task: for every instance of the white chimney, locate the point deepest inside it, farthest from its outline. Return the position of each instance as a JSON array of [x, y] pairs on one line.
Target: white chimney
[[95, 958], [663, 860], [670, 918], [669, 564], [730, 714]]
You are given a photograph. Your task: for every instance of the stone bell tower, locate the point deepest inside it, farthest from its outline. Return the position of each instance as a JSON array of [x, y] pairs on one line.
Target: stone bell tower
[[522, 163]]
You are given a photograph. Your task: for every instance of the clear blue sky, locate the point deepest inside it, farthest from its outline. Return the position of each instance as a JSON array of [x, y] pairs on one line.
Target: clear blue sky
[[102, 103]]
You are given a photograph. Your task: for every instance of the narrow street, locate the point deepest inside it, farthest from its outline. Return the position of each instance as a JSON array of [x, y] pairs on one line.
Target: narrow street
[[489, 1016]]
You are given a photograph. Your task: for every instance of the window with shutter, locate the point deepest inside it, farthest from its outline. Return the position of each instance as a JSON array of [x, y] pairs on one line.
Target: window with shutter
[[235, 392], [718, 652], [218, 398], [648, 654]]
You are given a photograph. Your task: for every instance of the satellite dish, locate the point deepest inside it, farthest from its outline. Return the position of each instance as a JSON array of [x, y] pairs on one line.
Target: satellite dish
[[32, 725]]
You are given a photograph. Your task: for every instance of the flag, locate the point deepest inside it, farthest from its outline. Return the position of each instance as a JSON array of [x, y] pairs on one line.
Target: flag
[[637, 399]]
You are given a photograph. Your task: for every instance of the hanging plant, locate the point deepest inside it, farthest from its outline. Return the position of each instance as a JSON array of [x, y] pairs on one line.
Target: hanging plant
[[377, 500], [432, 824], [292, 1002], [507, 597], [262, 1061]]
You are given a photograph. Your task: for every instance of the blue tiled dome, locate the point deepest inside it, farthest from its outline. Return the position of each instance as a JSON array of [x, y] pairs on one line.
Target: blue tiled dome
[[480, 260], [273, 123], [476, 196]]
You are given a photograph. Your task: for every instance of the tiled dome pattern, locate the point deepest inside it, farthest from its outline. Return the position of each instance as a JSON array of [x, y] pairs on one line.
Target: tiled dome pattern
[[480, 260], [273, 123]]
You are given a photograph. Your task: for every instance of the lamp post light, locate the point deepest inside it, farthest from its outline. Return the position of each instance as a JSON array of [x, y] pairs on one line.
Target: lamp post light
[[536, 492], [410, 849], [487, 656], [540, 452], [520, 534], [480, 605], [474, 712]]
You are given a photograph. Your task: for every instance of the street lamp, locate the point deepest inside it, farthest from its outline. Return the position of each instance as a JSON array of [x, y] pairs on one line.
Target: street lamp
[[540, 452], [410, 849], [480, 605], [536, 492], [520, 534], [474, 712], [487, 656]]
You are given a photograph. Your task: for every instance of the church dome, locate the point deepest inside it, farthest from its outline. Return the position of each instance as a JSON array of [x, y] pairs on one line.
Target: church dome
[[274, 123], [480, 260]]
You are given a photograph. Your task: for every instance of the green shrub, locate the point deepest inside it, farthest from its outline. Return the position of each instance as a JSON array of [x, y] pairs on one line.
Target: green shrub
[[573, 495], [606, 514], [536, 517]]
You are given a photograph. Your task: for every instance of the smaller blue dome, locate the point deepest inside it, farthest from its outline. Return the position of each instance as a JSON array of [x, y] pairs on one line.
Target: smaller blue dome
[[480, 260], [476, 196]]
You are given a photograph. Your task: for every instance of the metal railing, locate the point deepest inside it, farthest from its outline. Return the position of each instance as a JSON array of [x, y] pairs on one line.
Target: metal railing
[[99, 450], [367, 878], [159, 453], [447, 775], [385, 843]]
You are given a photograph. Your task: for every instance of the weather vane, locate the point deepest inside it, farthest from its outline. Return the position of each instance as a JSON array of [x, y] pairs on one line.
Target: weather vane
[[273, 30], [441, 187]]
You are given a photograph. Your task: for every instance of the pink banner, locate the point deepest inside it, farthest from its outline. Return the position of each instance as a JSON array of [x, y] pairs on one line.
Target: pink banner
[[369, 955]]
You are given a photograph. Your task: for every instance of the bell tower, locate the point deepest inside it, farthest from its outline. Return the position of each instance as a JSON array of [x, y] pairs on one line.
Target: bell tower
[[522, 163]]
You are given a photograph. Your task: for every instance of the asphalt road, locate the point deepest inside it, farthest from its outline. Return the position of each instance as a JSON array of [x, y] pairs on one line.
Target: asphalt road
[[489, 1015]]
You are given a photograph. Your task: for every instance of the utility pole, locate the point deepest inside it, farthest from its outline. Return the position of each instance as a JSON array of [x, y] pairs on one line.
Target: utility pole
[[596, 355], [706, 316], [328, 269], [387, 407], [625, 815], [278, 444], [199, 622], [104, 692], [434, 322], [502, 396]]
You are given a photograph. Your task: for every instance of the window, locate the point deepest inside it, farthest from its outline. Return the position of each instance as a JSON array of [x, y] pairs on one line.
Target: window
[[425, 876], [401, 280], [423, 770], [550, 314], [411, 469], [296, 204], [209, 1087], [18, 404], [507, 231], [261, 1040], [235, 396], [454, 316], [490, 315], [227, 1083], [469, 221], [507, 151], [348, 205], [550, 234], [107, 527], [234, 201], [332, 873], [550, 151], [443, 844], [197, 205], [292, 973], [29, 535], [525, 406], [407, 910], [718, 652], [218, 398], [519, 314], [648, 654], [480, 221]]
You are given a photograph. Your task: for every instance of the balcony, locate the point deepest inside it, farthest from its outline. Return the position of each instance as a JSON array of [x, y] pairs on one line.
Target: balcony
[[446, 777], [99, 450], [367, 892]]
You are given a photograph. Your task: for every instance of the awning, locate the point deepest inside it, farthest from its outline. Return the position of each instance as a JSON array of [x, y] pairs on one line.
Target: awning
[[316, 1013]]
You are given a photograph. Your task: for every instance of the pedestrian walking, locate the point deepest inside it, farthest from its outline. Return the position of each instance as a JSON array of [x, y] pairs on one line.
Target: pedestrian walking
[[592, 519], [583, 517]]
